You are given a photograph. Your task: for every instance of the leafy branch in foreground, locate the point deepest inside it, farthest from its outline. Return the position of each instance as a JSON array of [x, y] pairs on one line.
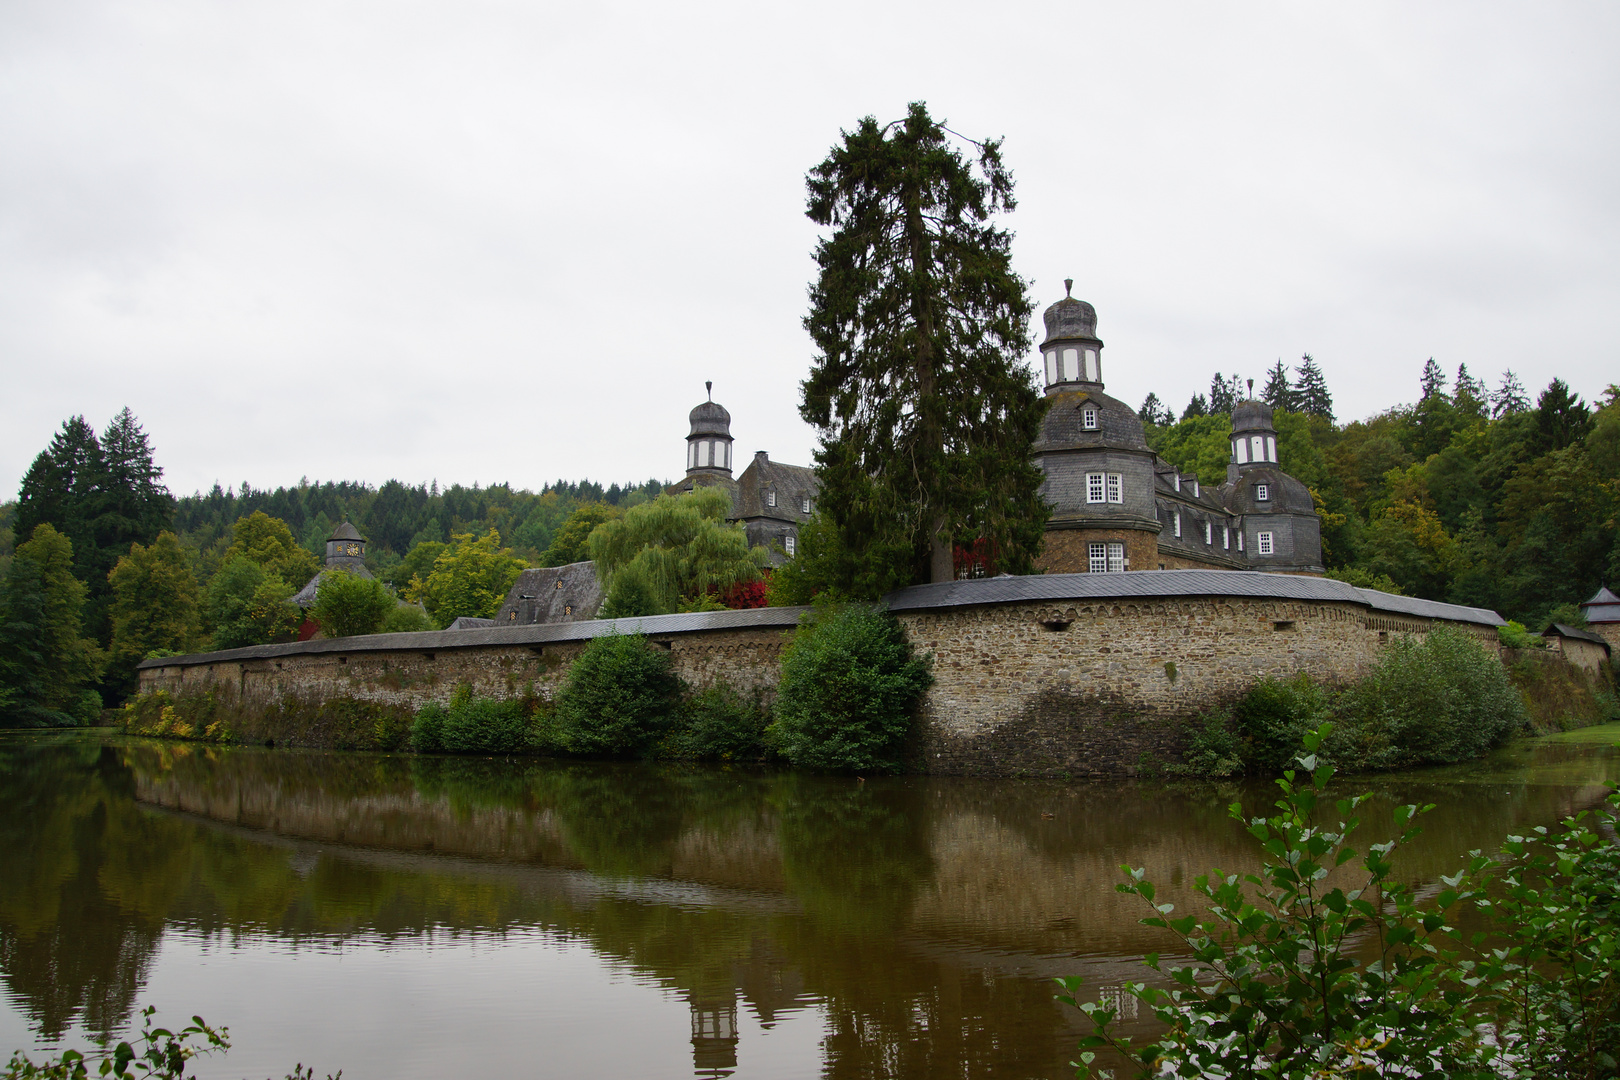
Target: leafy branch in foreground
[[1320, 976], [155, 1053]]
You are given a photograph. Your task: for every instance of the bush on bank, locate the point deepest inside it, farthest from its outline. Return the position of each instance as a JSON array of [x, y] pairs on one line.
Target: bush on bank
[[475, 725], [1431, 699], [620, 698], [849, 690]]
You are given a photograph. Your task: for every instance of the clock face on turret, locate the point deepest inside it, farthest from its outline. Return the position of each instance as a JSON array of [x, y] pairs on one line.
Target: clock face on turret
[[352, 549]]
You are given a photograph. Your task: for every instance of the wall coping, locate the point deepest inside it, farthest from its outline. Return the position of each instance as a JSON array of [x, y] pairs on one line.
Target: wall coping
[[1034, 588], [542, 634], [1169, 584]]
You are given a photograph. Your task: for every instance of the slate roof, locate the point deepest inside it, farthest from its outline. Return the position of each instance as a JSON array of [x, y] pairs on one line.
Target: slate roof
[[542, 634], [1562, 630], [1150, 584], [470, 622], [552, 594], [1604, 607], [790, 482], [345, 531], [1062, 428], [1070, 320]]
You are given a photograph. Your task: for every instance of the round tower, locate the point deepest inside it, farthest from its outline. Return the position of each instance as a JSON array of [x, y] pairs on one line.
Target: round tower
[[346, 550], [1072, 352], [1254, 438], [708, 446]]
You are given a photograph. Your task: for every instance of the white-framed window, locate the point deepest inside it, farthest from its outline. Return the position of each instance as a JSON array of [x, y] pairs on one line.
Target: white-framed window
[[1116, 488], [1071, 365], [1175, 523], [1240, 450], [1088, 418], [1209, 533], [770, 498], [1094, 488], [1106, 558], [1195, 487], [1257, 448], [790, 543], [1176, 480], [804, 505], [1051, 366], [1263, 543], [1226, 538], [1271, 448], [1240, 539], [1092, 374], [1262, 493]]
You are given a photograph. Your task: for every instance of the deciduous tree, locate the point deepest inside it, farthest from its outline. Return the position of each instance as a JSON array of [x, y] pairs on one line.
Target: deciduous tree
[[470, 577], [347, 604], [156, 604], [46, 661], [248, 605], [919, 392], [672, 553], [269, 542]]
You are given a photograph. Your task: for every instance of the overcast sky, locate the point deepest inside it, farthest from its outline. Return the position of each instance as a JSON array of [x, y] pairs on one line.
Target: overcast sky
[[509, 242]]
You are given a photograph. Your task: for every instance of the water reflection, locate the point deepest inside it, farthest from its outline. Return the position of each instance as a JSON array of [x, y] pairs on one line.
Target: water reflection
[[920, 918]]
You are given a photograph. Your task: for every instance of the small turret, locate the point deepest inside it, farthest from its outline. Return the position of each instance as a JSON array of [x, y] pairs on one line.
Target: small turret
[[708, 445], [1071, 350], [1254, 438], [346, 549]]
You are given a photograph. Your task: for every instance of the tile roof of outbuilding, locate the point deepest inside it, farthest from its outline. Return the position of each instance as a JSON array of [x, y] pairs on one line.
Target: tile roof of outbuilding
[[1564, 630]]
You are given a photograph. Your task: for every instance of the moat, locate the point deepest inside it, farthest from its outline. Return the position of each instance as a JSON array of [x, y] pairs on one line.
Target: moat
[[413, 917]]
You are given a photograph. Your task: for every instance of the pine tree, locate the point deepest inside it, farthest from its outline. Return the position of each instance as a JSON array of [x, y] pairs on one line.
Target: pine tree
[[1278, 393], [1562, 418], [1310, 389], [46, 662], [1470, 392], [1154, 412], [1224, 393], [925, 410], [1196, 407], [60, 486], [1509, 397], [1433, 380]]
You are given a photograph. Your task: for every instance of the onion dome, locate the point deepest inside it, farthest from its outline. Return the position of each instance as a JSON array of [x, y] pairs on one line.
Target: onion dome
[[710, 418], [1252, 415], [1070, 318]]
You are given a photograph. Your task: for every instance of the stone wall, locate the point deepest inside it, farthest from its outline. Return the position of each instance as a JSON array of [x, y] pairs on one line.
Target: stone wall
[[1051, 675]]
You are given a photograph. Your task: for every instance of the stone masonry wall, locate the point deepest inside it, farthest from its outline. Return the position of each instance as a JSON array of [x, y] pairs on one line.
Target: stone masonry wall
[[1063, 688]]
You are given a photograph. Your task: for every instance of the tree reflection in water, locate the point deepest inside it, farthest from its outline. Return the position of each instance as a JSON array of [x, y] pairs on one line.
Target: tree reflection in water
[[922, 917]]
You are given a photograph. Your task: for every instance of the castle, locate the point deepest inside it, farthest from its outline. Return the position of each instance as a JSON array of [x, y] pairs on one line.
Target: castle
[[1116, 505]]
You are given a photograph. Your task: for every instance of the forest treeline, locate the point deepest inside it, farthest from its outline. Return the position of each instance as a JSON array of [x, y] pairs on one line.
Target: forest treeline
[[1472, 495]]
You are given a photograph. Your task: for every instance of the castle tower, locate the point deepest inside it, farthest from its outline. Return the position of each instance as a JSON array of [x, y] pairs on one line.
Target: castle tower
[[708, 446], [346, 550], [1099, 472], [1072, 353], [1275, 514]]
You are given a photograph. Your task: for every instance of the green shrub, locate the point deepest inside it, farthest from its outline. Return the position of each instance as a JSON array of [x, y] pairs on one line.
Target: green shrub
[[349, 604], [620, 698], [1516, 636], [1273, 717], [475, 725], [1431, 699], [850, 685], [1214, 751], [406, 619], [716, 724]]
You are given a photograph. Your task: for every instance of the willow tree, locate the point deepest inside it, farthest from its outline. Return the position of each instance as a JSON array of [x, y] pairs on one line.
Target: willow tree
[[925, 408], [676, 553]]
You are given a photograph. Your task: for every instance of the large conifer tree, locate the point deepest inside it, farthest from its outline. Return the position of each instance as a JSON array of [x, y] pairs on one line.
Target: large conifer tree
[[1310, 390], [925, 410]]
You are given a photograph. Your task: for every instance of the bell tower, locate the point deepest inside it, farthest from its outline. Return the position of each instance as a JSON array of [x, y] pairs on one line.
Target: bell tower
[[1072, 352], [708, 444]]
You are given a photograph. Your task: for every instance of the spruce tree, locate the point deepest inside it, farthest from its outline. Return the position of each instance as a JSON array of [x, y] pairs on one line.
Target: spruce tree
[[1224, 393], [1310, 389], [1278, 393], [1433, 380], [1470, 393], [1196, 407], [1509, 397], [924, 407], [60, 486]]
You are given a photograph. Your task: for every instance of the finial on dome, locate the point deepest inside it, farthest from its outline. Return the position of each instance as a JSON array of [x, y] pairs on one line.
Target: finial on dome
[[1068, 287], [708, 388], [1251, 389]]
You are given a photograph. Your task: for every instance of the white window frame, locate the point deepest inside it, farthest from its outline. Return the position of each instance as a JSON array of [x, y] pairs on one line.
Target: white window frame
[[1195, 487], [1097, 558], [1116, 557], [1176, 480], [1263, 544], [1262, 493], [1209, 534], [1088, 418], [1240, 539], [770, 498], [1116, 488], [1095, 491], [1175, 522], [1226, 538], [804, 505], [789, 543]]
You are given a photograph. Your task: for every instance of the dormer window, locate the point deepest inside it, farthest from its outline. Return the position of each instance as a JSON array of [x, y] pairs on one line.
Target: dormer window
[[790, 543], [1262, 493], [1195, 487], [1088, 418], [804, 505], [1209, 533], [770, 498], [1176, 480], [1175, 524]]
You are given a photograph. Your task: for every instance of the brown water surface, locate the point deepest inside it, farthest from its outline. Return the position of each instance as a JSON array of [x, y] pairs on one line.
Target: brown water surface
[[412, 917]]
